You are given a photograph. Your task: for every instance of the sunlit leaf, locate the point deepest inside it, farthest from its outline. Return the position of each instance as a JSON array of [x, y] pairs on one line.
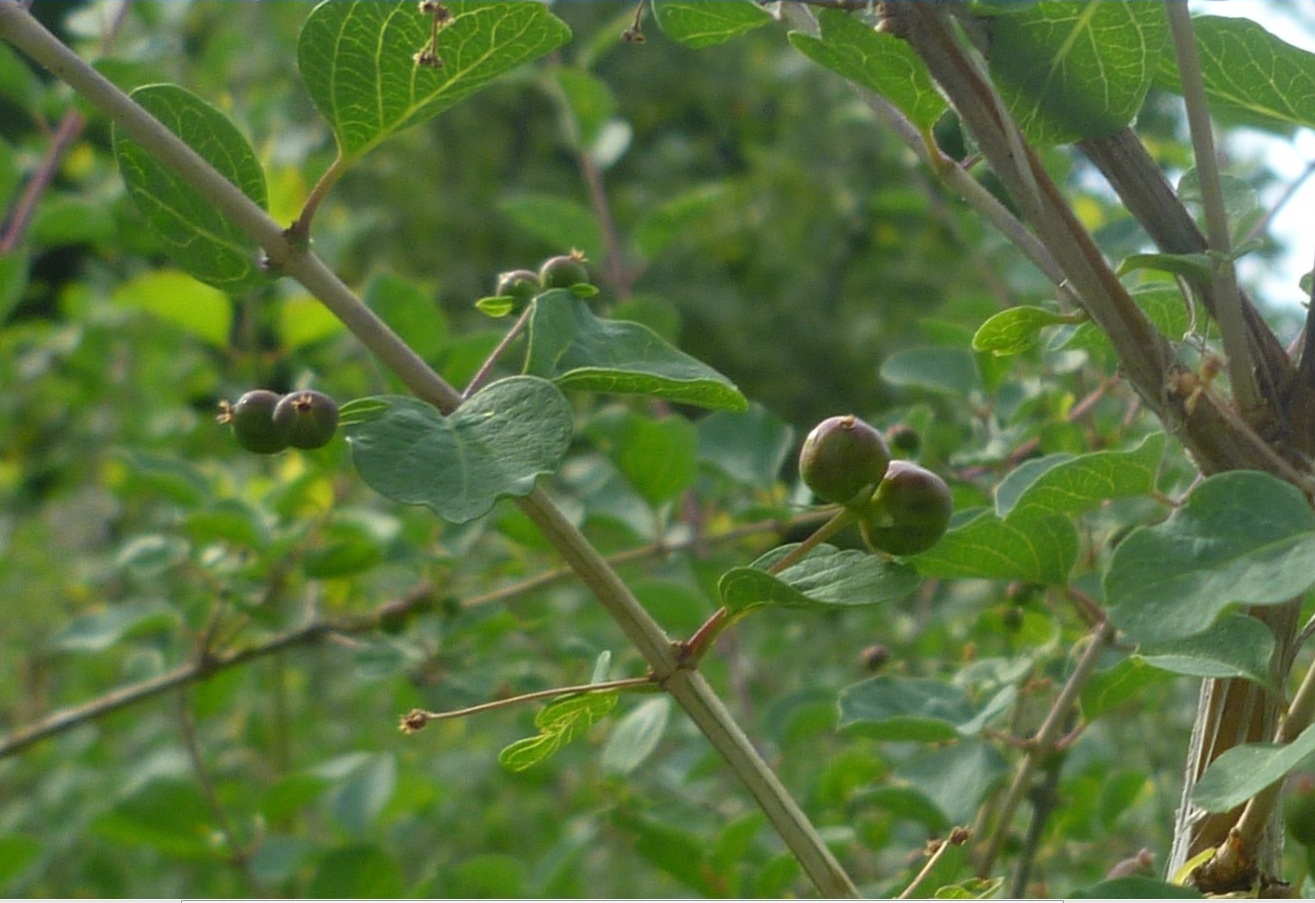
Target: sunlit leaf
[[824, 578], [701, 24]]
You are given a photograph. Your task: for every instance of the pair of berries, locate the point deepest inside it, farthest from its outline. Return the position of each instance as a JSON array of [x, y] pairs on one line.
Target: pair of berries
[[266, 423], [902, 509]]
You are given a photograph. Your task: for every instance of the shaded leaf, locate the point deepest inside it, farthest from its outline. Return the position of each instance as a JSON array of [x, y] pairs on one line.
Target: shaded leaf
[[656, 456], [875, 60], [578, 350], [1235, 646], [1243, 771], [1071, 70], [668, 221], [824, 578], [172, 295], [701, 24], [357, 871], [101, 630], [950, 370], [561, 224], [905, 708], [493, 446], [1242, 537], [749, 447], [355, 58], [194, 234], [637, 735], [956, 777]]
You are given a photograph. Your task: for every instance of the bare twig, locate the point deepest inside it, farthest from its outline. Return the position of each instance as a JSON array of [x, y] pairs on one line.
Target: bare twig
[[416, 719]]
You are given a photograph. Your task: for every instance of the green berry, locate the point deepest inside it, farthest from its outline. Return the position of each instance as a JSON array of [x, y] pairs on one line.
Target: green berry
[[564, 271], [909, 511], [309, 418], [252, 419], [904, 439], [1299, 809], [521, 285], [841, 457]]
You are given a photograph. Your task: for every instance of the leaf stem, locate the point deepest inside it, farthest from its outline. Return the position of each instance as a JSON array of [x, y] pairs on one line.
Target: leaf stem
[[416, 719], [1228, 303]]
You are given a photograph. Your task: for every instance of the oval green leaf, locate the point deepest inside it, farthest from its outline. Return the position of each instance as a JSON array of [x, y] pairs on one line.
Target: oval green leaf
[[1014, 330], [825, 578], [195, 235], [637, 735], [702, 24], [875, 60], [1035, 546], [1242, 537], [1243, 771], [578, 350], [1235, 646], [356, 59], [1066, 484], [494, 445]]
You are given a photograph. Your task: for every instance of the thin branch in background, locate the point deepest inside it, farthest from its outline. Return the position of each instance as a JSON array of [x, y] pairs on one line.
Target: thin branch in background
[[65, 134], [417, 719], [1228, 302], [481, 376], [1045, 799], [1260, 228], [238, 853], [957, 837]]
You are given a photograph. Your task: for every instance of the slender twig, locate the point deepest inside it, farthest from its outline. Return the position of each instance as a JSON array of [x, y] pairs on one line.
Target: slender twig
[[957, 837], [613, 265], [1043, 742], [415, 719], [1228, 303], [299, 231], [482, 374], [295, 259]]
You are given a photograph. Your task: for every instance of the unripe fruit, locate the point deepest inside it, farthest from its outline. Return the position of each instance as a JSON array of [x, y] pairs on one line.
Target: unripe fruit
[[909, 511], [519, 284], [252, 419], [309, 418], [564, 271], [1299, 809], [842, 456], [904, 439]]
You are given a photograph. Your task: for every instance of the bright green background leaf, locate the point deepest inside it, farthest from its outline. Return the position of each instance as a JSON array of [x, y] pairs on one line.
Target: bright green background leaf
[[704, 24]]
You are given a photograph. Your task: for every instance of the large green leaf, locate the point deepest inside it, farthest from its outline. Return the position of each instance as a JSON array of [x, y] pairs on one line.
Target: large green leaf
[[657, 457], [1243, 771], [906, 708], [1242, 537], [1249, 73], [494, 445], [1035, 546], [636, 736], [824, 578], [561, 223], [355, 58], [1068, 484], [1235, 646], [956, 777], [1070, 69], [1015, 330], [176, 297], [578, 350], [875, 60], [702, 24], [193, 233]]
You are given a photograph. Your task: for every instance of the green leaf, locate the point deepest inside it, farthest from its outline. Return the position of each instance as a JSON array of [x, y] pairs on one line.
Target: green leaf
[[99, 631], [357, 871], [657, 457], [362, 794], [949, 370], [826, 577], [702, 24], [590, 102], [169, 814], [195, 235], [749, 447], [493, 446], [1242, 537], [636, 736], [1071, 485], [561, 224], [172, 295], [672, 219], [409, 310], [956, 777], [559, 722], [356, 59], [304, 320], [1071, 70], [1117, 685], [1249, 73], [875, 60], [17, 852], [1234, 646], [13, 280], [1190, 266], [1032, 545], [1243, 771], [1015, 330], [578, 350], [905, 708], [1163, 305]]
